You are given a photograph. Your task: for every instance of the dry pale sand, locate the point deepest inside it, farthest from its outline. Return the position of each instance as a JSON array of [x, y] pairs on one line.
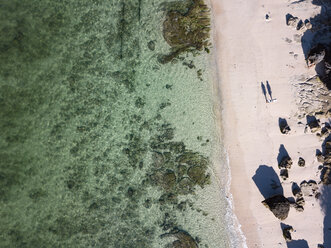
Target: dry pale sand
[[251, 50]]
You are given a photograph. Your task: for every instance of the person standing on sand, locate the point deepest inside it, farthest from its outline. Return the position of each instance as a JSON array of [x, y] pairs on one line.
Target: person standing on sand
[[269, 89]]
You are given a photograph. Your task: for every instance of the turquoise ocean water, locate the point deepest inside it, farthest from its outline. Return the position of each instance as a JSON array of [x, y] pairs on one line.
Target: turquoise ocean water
[[100, 144]]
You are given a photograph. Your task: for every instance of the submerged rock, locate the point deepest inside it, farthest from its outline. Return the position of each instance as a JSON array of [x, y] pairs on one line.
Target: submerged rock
[[169, 179], [185, 186], [278, 205], [188, 31], [197, 174], [300, 201], [165, 179], [151, 45], [184, 239]]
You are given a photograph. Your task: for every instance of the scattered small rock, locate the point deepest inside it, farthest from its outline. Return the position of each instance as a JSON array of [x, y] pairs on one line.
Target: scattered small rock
[[297, 38], [284, 174], [288, 40], [151, 45], [298, 207], [267, 17], [301, 162], [287, 233], [320, 158], [309, 188], [300, 25], [308, 24], [296, 191], [184, 239], [286, 163], [292, 21], [283, 126]]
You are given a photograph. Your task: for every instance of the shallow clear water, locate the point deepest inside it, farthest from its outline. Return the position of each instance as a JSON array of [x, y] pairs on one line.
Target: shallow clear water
[[100, 144]]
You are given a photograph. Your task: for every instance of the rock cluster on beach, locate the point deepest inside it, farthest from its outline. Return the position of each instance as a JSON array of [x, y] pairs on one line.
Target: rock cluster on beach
[[326, 159], [314, 113], [314, 108], [284, 165]]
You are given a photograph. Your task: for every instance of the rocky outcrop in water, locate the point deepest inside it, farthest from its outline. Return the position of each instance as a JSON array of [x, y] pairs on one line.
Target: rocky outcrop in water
[[179, 173], [283, 174], [187, 31], [183, 239], [278, 205]]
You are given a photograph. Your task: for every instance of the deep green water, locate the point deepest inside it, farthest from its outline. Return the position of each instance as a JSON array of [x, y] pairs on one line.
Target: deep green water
[[100, 144]]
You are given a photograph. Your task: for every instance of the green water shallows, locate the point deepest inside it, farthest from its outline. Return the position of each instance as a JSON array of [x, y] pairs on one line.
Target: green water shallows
[[100, 144]]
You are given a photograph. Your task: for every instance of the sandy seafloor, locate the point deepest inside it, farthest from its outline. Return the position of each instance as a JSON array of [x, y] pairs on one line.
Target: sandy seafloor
[[92, 129]]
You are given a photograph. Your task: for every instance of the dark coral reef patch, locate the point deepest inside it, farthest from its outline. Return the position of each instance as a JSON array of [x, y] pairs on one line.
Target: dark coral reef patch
[[186, 32]]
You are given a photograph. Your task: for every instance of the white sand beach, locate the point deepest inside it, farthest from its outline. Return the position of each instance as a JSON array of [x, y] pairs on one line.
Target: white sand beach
[[251, 49]]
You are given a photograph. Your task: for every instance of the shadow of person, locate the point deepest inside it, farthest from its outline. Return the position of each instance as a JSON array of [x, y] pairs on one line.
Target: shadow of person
[[269, 90], [300, 243], [267, 181], [282, 153], [264, 92]]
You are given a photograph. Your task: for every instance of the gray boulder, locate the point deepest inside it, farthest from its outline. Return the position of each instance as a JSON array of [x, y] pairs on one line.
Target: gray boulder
[[278, 205]]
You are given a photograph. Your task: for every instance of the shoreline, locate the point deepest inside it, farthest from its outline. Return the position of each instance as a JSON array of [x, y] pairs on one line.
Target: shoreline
[[249, 50], [237, 214], [236, 235]]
